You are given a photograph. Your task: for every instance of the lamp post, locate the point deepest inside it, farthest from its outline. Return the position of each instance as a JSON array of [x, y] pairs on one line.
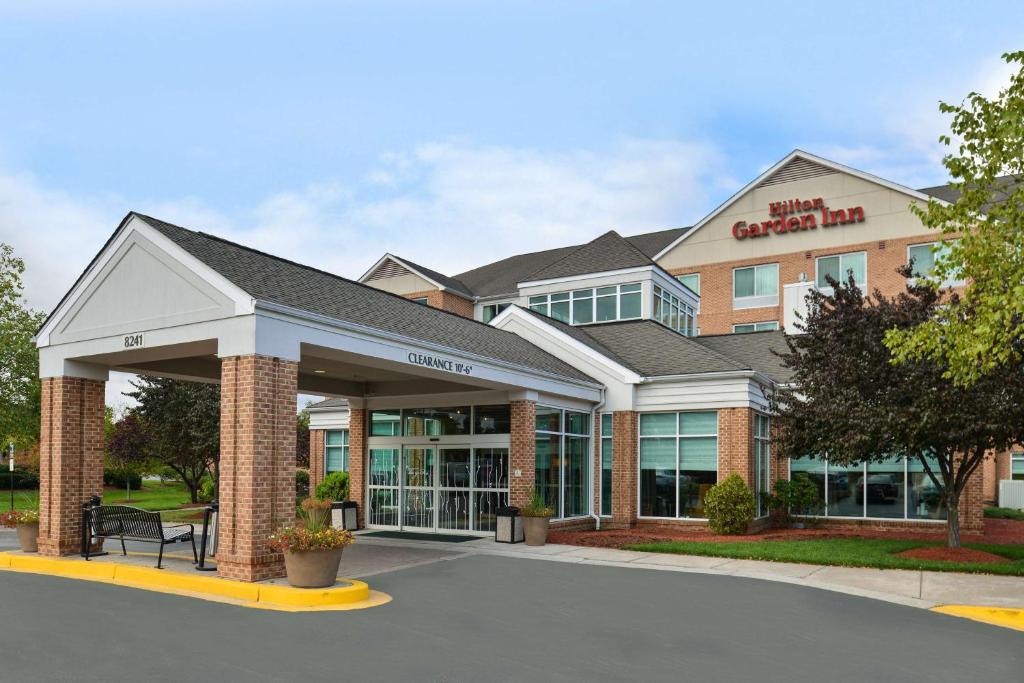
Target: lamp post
[[10, 467]]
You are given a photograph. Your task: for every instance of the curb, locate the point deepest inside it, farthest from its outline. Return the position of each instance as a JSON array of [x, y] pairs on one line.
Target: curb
[[997, 616], [354, 595]]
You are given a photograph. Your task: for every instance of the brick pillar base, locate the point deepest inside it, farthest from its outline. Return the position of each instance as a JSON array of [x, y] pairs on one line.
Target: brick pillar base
[[357, 461], [522, 456], [257, 463], [736, 444], [625, 463], [316, 459], [70, 459]]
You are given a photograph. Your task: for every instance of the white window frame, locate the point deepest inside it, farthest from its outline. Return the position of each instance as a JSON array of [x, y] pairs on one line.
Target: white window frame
[[546, 303], [945, 283], [562, 460], [499, 308], [600, 436], [757, 300], [678, 438], [422, 300], [686, 317], [766, 441], [1015, 456], [344, 447], [842, 274], [697, 275], [755, 325]]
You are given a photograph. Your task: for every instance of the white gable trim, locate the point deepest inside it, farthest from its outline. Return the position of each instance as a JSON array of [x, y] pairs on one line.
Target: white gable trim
[[796, 154], [244, 304], [412, 269], [628, 375]]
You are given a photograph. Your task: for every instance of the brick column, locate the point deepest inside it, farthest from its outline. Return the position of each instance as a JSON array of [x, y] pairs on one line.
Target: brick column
[[70, 459], [972, 506], [257, 463], [357, 459], [316, 459], [522, 454], [625, 467], [736, 444]]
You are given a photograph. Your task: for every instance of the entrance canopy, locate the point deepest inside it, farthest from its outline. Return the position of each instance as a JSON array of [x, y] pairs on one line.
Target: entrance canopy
[[163, 300]]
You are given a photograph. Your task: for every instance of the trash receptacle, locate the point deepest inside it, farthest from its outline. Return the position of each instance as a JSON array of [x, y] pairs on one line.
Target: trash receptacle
[[508, 526], [345, 515]]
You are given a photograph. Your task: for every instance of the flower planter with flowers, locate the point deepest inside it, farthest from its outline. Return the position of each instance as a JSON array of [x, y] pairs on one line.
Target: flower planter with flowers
[[536, 518], [27, 524], [312, 548]]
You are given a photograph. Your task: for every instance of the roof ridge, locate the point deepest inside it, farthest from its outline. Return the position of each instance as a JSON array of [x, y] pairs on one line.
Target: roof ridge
[[581, 247], [431, 271], [604, 350]]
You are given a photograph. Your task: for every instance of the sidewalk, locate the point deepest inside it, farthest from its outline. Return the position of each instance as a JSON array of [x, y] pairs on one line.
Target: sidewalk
[[923, 589]]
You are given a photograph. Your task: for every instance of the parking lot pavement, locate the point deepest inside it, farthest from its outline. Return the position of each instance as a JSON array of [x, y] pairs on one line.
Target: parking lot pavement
[[484, 617]]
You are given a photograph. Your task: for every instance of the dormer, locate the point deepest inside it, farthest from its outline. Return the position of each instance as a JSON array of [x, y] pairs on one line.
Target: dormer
[[423, 285]]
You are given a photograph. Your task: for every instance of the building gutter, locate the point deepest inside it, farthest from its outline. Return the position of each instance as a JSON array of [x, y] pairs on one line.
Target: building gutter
[[595, 430]]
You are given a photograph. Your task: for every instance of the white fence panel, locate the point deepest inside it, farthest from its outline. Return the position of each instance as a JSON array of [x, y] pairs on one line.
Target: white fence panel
[[1011, 494]]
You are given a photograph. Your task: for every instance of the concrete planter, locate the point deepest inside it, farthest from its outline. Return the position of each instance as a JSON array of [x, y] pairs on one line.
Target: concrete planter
[[28, 537], [312, 569], [535, 530]]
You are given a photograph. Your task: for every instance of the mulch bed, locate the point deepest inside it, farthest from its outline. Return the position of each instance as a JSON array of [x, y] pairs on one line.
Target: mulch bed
[[996, 531], [958, 555]]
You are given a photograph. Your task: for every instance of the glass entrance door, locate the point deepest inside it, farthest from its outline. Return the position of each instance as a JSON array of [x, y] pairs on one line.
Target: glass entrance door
[[453, 489], [419, 474]]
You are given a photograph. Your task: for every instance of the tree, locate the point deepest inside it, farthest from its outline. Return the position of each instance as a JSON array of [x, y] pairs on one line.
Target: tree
[[19, 358], [983, 330], [128, 448], [302, 439], [848, 402], [182, 421]]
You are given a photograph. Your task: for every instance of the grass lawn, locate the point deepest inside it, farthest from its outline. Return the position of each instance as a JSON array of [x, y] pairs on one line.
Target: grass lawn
[[154, 496], [844, 552]]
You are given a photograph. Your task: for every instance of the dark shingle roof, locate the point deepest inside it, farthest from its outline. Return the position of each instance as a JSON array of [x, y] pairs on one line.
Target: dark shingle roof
[[275, 280], [329, 403], [653, 242], [652, 350], [608, 252], [1004, 185], [451, 283]]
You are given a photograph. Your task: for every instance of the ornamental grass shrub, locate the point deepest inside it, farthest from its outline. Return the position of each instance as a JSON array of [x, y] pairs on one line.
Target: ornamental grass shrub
[[729, 506], [313, 532]]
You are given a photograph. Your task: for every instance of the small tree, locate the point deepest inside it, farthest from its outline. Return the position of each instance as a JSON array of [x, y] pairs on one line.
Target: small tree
[[127, 448], [19, 358], [729, 505], [851, 404], [302, 439]]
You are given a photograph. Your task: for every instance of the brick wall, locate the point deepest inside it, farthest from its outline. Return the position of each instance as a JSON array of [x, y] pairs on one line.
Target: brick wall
[[625, 426], [357, 459], [446, 301], [522, 452], [736, 444], [70, 459], [316, 458], [717, 315], [257, 463]]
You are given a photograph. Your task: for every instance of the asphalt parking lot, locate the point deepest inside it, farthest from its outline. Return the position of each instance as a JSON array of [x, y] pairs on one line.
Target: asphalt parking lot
[[499, 619]]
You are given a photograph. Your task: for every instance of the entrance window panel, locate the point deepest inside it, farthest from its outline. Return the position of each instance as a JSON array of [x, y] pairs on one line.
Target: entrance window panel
[[845, 491], [576, 480], [419, 508], [606, 464], [492, 419], [419, 467], [885, 490], [814, 470], [383, 507], [454, 468], [453, 509], [924, 501], [437, 421], [658, 477], [485, 506], [384, 467], [490, 470], [385, 423], [548, 465]]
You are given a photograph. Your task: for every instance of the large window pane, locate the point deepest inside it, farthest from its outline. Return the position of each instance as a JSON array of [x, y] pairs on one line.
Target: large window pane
[[845, 491], [583, 307], [743, 282], [419, 467], [657, 424], [855, 264], [336, 451], [698, 423], [384, 467], [436, 421], [606, 308], [828, 266], [766, 280], [658, 477], [923, 258], [924, 501], [492, 419], [454, 464], [576, 479], [814, 470], [577, 423], [560, 307], [549, 419], [548, 466], [490, 468], [385, 423], [885, 489], [691, 282], [629, 306]]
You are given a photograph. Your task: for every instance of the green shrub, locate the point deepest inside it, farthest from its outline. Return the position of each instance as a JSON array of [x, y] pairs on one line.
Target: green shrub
[[1004, 513], [207, 490], [333, 487], [121, 480], [23, 479], [301, 484], [798, 496], [729, 506]]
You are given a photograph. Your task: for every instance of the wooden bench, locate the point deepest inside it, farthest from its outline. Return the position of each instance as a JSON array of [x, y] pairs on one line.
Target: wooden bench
[[124, 521]]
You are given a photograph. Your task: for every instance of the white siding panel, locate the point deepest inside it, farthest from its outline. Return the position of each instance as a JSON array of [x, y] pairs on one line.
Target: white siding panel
[[697, 394]]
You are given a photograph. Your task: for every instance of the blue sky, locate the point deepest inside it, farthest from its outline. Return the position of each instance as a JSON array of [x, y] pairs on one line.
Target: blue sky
[[333, 132]]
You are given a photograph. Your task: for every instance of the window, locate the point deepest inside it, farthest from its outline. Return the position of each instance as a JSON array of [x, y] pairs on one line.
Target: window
[[926, 256], [1017, 466], [491, 311], [762, 462], [436, 421], [840, 266], [606, 464], [691, 281], [755, 327], [894, 488], [673, 312], [755, 286], [419, 300], [336, 450], [563, 449], [678, 463], [494, 419], [582, 306]]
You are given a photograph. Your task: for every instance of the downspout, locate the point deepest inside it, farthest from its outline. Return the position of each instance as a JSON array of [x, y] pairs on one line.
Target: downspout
[[595, 442]]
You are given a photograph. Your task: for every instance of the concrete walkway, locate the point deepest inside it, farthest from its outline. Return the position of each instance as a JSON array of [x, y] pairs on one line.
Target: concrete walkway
[[373, 555]]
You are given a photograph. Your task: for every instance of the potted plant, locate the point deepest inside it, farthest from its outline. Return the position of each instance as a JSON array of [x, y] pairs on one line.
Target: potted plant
[[536, 517], [27, 524], [312, 548]]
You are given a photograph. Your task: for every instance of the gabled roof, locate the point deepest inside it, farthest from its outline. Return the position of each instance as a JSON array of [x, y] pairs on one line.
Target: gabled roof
[[275, 280], [437, 279], [795, 165], [755, 349], [335, 403], [1004, 186], [608, 252]]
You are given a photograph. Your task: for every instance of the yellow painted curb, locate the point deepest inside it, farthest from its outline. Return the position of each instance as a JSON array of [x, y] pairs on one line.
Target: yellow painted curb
[[348, 594], [998, 616]]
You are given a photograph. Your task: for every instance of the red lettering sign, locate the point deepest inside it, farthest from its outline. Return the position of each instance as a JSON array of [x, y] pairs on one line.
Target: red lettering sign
[[784, 221]]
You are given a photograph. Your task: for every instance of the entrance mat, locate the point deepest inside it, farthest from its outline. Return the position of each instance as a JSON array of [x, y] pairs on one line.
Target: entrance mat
[[414, 536]]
